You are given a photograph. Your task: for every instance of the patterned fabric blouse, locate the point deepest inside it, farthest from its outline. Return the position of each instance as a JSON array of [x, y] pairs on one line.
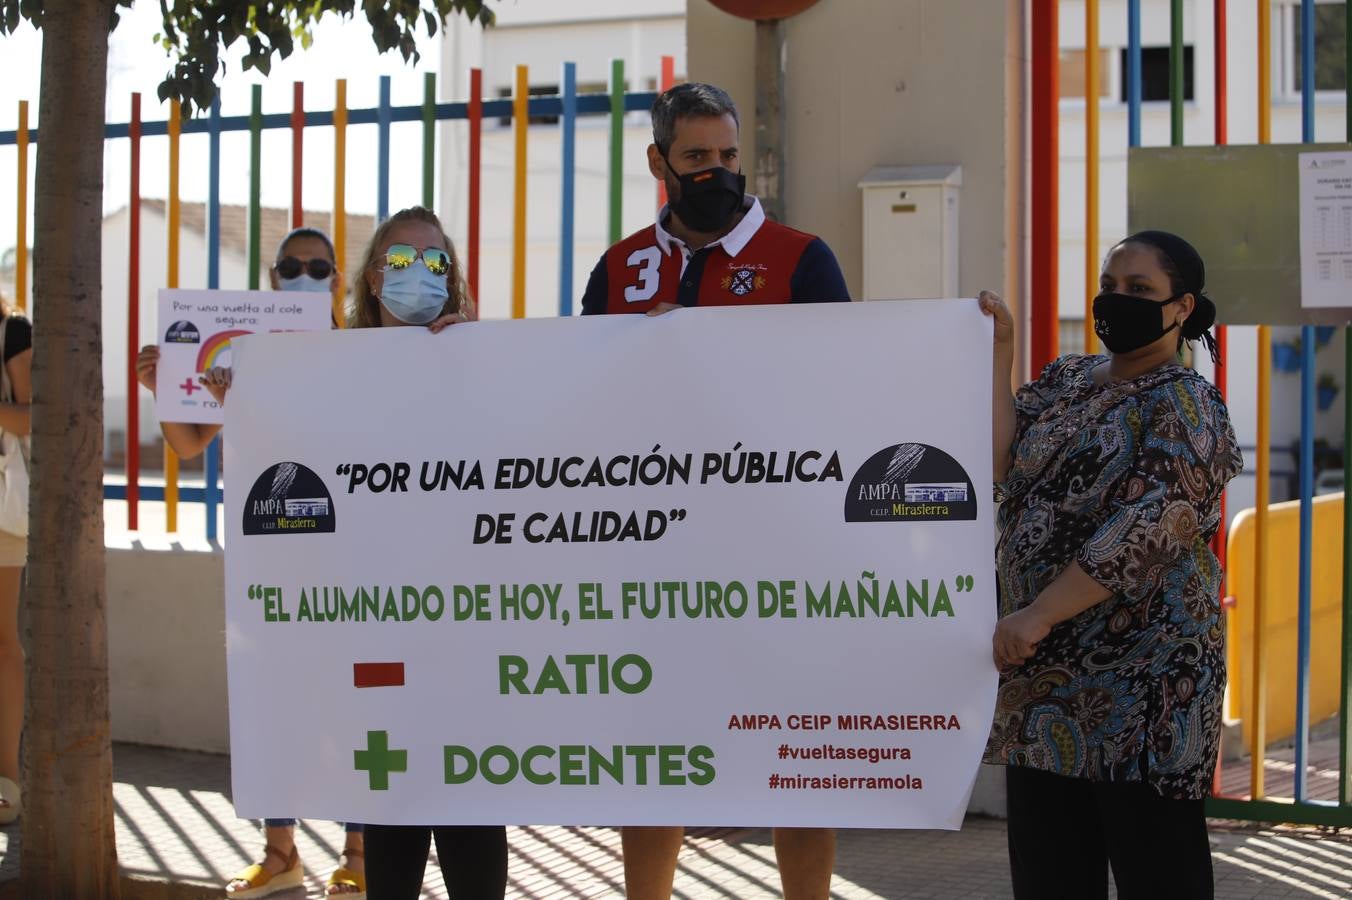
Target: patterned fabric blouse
[[1125, 479]]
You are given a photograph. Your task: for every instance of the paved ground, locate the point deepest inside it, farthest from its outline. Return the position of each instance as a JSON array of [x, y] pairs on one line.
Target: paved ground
[[175, 822]]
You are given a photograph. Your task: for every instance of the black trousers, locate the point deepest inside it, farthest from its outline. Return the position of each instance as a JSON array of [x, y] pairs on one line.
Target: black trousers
[[473, 860], [1064, 833]]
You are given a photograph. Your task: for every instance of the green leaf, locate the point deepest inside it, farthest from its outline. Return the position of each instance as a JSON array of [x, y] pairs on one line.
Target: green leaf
[[194, 31]]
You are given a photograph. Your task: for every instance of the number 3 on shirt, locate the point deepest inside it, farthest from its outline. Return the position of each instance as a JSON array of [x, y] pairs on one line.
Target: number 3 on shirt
[[648, 261]]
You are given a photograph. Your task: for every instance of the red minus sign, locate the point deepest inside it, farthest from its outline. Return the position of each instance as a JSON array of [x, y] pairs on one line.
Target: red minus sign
[[366, 675]]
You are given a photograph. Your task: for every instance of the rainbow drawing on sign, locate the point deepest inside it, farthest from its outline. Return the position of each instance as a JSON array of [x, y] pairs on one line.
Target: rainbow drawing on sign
[[214, 346]]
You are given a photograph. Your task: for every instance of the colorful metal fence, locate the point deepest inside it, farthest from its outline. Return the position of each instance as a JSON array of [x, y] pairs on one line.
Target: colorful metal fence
[[568, 106], [1044, 315]]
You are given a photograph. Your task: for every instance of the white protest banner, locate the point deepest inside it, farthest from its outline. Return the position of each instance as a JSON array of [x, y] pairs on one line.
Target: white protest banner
[[722, 566], [196, 328]]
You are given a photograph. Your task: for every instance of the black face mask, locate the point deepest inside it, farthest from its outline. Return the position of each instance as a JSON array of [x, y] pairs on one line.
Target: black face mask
[[709, 198], [1125, 323]]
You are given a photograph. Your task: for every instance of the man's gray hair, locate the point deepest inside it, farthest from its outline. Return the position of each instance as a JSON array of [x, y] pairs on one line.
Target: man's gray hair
[[684, 101]]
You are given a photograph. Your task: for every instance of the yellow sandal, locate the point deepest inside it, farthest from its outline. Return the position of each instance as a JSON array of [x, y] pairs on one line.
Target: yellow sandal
[[345, 877], [263, 883]]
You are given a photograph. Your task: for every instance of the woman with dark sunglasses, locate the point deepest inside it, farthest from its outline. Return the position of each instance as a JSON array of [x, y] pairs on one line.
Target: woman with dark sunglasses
[[410, 276], [305, 263]]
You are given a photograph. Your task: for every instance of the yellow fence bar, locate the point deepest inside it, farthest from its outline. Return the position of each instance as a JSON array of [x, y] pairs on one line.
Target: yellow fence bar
[[340, 194], [520, 121], [21, 245], [1258, 733]]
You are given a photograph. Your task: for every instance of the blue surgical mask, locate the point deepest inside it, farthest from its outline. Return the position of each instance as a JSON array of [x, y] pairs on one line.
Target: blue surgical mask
[[303, 282], [413, 294]]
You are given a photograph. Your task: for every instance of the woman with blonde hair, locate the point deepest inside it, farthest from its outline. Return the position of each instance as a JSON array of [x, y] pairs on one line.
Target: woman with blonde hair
[[410, 276], [399, 285], [419, 296]]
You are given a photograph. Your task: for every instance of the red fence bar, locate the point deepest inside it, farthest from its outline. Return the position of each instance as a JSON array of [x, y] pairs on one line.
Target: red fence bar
[[1045, 189], [668, 81], [1222, 74], [297, 154], [1222, 103]]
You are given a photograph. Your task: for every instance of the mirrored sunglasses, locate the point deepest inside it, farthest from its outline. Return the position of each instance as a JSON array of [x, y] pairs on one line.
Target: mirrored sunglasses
[[401, 256]]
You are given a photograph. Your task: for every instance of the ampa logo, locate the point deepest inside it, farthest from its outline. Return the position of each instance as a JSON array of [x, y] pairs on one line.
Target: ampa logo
[[289, 498], [183, 332], [911, 483]]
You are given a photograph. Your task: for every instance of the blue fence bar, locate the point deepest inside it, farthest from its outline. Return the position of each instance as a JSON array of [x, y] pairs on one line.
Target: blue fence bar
[[383, 151], [1134, 73], [1307, 386], [568, 123], [154, 493], [587, 104], [213, 283]]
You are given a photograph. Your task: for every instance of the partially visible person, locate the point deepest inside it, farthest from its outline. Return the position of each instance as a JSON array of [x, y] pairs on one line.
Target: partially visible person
[[410, 275], [305, 263], [16, 393], [712, 246], [1110, 644]]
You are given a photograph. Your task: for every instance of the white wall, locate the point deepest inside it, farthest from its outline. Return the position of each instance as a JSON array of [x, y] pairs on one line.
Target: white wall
[[547, 12], [166, 648]]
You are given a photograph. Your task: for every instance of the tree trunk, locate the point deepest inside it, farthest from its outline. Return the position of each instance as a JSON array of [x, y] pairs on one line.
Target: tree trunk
[[68, 840]]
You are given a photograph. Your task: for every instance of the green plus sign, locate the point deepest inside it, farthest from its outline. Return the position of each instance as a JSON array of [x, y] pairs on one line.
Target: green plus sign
[[378, 760]]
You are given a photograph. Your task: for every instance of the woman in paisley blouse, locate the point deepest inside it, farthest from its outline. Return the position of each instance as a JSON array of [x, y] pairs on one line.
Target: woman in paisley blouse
[[1110, 644]]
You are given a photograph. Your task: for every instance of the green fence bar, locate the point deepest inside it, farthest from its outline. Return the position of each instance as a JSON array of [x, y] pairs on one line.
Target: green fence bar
[[429, 118], [616, 149], [255, 184]]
